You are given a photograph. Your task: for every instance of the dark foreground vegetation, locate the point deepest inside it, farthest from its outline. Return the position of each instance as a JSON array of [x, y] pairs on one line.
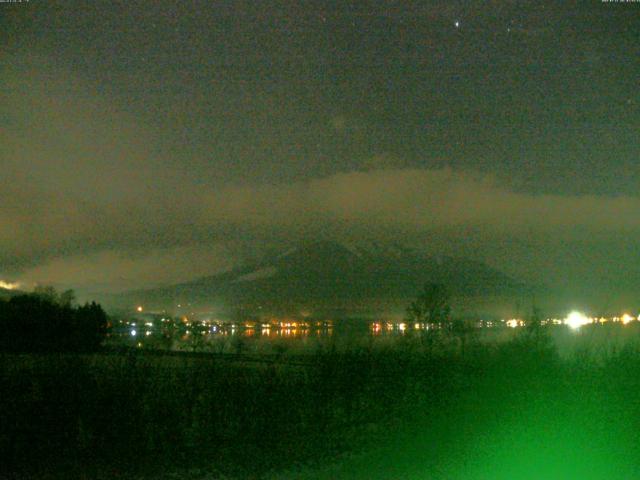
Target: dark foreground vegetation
[[46, 321], [415, 410]]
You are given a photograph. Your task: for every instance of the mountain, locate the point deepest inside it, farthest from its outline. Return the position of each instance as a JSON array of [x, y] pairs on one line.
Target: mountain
[[333, 278]]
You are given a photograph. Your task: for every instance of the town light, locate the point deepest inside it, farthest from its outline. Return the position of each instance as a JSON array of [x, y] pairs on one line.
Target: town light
[[626, 318], [576, 320]]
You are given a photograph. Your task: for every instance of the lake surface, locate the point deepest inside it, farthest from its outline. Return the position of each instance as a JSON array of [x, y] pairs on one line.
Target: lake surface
[[297, 337], [256, 336]]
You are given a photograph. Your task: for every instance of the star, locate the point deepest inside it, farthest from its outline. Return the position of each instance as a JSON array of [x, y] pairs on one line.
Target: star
[[457, 23]]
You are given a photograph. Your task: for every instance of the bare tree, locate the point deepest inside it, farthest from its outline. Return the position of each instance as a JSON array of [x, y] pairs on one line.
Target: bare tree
[[432, 307]]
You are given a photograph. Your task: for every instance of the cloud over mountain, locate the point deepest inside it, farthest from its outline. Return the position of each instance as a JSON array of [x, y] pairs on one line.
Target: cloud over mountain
[[89, 187]]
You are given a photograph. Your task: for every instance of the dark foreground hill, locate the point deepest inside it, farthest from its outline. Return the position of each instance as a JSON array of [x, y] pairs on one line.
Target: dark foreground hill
[[331, 277]]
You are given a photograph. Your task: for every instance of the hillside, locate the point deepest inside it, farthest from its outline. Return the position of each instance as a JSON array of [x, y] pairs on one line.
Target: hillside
[[330, 277]]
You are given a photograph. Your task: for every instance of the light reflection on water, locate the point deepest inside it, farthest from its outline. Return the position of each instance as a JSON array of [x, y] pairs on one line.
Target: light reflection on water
[[372, 329], [271, 338], [240, 336]]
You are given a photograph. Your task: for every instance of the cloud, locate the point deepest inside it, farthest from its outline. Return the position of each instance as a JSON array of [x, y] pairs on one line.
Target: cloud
[[419, 200], [113, 271], [89, 198], [66, 236]]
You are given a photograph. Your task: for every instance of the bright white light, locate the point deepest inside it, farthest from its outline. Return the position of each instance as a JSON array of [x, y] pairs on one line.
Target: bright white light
[[626, 318], [457, 23], [9, 285], [133, 333], [139, 309], [576, 320]]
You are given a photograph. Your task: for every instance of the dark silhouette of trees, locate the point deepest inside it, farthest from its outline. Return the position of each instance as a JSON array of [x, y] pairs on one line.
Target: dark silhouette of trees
[[67, 298], [44, 321], [536, 336], [90, 326], [46, 292], [432, 307]]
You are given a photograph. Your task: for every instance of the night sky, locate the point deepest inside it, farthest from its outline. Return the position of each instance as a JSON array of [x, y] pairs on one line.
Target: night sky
[[145, 143]]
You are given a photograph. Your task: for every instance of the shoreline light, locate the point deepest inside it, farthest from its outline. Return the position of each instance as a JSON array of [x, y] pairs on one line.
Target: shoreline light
[[576, 320], [626, 318]]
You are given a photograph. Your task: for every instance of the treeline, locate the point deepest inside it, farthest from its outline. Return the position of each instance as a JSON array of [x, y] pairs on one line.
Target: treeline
[[48, 321]]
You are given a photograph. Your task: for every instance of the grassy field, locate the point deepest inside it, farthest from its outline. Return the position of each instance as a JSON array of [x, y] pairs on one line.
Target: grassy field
[[514, 408]]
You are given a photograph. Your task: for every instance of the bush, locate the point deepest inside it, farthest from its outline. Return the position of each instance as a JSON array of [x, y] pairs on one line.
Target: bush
[[37, 323]]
